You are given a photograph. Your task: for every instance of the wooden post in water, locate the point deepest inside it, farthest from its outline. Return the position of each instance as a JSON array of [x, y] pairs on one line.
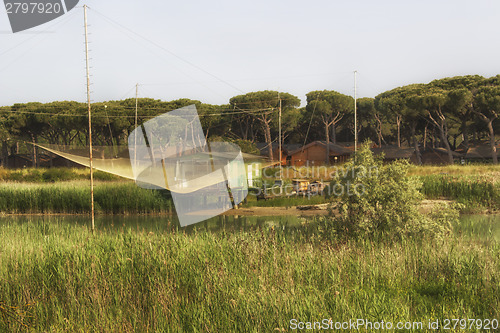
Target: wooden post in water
[[90, 119]]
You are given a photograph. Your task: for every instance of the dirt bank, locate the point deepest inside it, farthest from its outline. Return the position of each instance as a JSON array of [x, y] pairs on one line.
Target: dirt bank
[[317, 210]]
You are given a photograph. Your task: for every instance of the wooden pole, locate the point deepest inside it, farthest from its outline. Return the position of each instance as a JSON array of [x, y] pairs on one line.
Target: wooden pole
[[135, 131], [355, 115], [280, 148], [90, 119]]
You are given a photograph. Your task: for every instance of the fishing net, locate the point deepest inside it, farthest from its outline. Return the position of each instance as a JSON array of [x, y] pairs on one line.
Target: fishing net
[[170, 152]]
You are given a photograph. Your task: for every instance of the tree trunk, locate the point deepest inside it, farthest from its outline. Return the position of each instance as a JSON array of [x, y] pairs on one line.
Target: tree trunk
[[425, 136], [465, 133], [34, 157], [327, 157], [334, 133], [455, 142], [491, 133], [269, 142], [5, 154], [493, 144], [444, 133], [379, 130], [398, 123], [415, 143]]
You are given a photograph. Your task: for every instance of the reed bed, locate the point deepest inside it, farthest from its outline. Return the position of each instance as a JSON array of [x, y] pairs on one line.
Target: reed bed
[[62, 190], [74, 198], [50, 175], [56, 277], [475, 192], [456, 169]]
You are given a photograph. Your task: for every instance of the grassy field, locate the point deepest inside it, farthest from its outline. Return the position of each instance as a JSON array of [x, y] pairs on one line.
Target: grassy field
[[458, 170], [56, 277]]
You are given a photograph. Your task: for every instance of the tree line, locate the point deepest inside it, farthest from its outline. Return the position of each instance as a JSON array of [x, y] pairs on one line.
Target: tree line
[[443, 113]]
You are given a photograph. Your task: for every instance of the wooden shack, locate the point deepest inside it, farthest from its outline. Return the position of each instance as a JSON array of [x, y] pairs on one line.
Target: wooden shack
[[437, 156], [481, 153], [314, 153], [394, 153]]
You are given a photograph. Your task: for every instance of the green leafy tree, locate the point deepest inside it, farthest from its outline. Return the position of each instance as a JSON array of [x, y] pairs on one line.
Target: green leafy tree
[[488, 109], [433, 101], [370, 119], [264, 107], [392, 103], [414, 112], [4, 136], [462, 90], [329, 107]]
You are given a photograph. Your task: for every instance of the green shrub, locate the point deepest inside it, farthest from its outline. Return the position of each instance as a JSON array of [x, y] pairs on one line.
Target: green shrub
[[57, 174], [377, 198], [104, 176]]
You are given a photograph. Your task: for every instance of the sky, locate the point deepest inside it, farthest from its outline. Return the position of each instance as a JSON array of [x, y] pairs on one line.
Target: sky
[[214, 50]]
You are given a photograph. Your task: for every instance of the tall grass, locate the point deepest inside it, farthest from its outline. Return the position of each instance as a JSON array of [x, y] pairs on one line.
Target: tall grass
[[56, 277], [459, 170], [50, 175], [475, 192], [74, 197]]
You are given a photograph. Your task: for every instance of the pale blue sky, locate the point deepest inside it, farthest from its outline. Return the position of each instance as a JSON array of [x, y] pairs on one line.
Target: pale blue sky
[[293, 46]]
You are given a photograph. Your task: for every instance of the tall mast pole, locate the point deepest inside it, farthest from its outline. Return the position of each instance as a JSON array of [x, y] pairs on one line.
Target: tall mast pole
[[90, 119], [135, 132], [355, 114], [279, 143]]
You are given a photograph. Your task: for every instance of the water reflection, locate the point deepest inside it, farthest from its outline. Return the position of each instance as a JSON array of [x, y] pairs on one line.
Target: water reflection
[[161, 224], [484, 226]]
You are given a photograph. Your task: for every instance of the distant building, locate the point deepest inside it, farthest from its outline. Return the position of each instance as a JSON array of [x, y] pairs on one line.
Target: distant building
[[285, 151], [59, 161], [19, 161], [350, 145], [430, 156], [437, 156], [314, 153], [480, 153], [394, 153]]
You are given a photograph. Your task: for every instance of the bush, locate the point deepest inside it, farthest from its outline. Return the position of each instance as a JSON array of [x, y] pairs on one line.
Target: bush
[[381, 199]]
